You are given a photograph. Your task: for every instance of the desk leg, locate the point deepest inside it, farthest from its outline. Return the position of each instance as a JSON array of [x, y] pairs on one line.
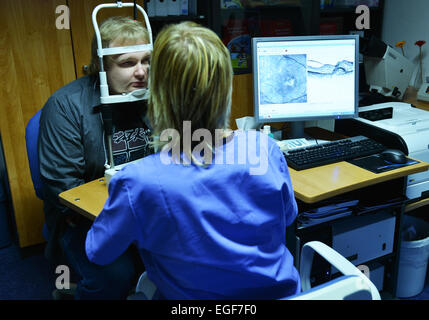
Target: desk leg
[[397, 241]]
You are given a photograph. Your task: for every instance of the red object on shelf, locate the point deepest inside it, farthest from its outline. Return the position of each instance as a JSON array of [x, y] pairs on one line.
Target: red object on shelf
[[275, 28], [328, 27]]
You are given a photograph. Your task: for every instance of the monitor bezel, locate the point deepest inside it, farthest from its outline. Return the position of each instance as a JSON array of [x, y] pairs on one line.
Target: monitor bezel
[[256, 40]]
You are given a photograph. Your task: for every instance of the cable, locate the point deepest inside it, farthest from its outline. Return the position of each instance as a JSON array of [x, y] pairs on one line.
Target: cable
[[107, 116]]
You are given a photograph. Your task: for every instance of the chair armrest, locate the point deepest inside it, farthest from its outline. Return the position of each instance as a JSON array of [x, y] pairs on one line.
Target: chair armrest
[[146, 286], [344, 287], [335, 259]]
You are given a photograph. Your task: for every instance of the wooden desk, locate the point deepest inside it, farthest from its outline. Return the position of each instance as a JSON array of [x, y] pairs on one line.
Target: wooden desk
[[310, 186], [87, 199], [320, 183]]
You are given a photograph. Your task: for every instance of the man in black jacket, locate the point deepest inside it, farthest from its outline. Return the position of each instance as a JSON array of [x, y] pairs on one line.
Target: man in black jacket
[[72, 151]]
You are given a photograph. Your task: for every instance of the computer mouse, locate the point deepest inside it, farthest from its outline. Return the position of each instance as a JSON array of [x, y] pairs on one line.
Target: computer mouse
[[394, 156]]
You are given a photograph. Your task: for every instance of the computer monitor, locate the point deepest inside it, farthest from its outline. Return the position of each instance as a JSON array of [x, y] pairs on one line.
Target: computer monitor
[[304, 78]]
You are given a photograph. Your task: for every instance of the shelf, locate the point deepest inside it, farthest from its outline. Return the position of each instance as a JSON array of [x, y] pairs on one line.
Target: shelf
[[263, 8], [175, 18], [345, 9], [416, 205]]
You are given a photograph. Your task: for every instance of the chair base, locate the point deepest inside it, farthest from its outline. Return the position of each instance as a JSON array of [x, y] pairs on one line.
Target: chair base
[[65, 294]]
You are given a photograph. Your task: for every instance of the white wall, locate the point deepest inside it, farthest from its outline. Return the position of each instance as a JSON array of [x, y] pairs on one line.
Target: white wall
[[408, 20], [402, 20]]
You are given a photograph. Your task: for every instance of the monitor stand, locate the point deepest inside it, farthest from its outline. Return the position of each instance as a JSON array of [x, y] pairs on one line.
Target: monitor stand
[[297, 130]]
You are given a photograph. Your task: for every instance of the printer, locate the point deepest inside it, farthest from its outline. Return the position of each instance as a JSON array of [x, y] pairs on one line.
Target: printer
[[397, 125]]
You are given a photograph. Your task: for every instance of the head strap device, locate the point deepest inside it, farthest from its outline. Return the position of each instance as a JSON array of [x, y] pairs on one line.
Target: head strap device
[[141, 94]]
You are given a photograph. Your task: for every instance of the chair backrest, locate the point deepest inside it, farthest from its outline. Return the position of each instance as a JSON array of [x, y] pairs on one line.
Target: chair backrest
[[353, 285], [343, 288], [31, 136]]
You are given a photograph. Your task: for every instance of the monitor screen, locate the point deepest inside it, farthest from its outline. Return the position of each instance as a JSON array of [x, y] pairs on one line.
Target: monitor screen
[[305, 78]]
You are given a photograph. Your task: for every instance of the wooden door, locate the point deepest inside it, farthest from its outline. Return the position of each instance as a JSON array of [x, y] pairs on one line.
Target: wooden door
[[36, 59]]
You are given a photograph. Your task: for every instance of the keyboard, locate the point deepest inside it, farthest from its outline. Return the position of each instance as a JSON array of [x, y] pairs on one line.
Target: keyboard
[[333, 151]]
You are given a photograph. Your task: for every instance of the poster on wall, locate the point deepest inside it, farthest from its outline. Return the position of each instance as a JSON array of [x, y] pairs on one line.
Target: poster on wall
[[236, 35]]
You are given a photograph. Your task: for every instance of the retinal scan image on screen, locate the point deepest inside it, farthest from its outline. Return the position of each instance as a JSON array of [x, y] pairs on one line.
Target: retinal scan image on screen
[[306, 79], [285, 80]]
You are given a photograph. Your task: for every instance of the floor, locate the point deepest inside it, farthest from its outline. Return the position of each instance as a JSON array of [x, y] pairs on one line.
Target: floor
[[27, 275]]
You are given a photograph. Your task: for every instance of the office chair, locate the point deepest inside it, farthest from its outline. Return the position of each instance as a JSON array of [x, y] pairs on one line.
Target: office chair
[[31, 136], [353, 285]]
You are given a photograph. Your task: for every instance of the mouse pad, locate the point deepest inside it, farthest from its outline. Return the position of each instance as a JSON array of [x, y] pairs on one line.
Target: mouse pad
[[376, 164]]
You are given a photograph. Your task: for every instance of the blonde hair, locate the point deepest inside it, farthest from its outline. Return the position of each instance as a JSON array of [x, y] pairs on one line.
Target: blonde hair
[[124, 30], [190, 80]]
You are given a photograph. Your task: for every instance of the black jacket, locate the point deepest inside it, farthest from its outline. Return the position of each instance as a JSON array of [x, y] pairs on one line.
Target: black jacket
[[72, 149]]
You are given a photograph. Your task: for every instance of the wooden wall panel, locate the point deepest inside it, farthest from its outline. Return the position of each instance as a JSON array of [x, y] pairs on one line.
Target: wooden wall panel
[[83, 30], [36, 59], [242, 98]]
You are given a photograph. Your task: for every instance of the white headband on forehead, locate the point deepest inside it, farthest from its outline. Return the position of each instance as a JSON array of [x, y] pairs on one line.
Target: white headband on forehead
[[127, 49]]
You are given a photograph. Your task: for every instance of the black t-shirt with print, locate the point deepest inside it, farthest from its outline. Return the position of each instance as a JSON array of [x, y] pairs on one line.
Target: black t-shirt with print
[[131, 135]]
